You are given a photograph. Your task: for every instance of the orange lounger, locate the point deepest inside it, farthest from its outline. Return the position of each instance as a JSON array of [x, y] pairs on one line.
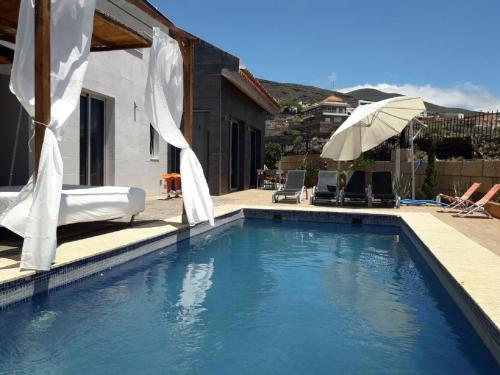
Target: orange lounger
[[479, 205], [460, 202]]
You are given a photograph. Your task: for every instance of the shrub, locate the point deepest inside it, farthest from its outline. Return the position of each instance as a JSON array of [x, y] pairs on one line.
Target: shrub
[[311, 173], [298, 139], [360, 163], [402, 186], [430, 182], [273, 155], [290, 106]]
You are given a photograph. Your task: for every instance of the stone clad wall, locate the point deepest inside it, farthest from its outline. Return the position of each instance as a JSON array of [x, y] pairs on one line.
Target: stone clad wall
[[487, 172]]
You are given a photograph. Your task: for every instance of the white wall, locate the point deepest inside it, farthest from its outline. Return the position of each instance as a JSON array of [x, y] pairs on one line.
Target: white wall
[[119, 77]]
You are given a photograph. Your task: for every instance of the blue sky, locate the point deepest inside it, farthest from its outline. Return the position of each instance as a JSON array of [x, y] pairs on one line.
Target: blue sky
[[444, 50]]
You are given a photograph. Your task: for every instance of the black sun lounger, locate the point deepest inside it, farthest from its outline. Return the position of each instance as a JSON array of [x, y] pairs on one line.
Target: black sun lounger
[[326, 188], [294, 187], [382, 187], [356, 189]]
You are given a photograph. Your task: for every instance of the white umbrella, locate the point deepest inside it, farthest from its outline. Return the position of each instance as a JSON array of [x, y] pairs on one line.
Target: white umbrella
[[370, 125]]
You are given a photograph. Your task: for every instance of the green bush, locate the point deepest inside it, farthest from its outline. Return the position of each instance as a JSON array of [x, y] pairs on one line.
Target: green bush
[[360, 163], [430, 182], [311, 173], [290, 103], [272, 155]]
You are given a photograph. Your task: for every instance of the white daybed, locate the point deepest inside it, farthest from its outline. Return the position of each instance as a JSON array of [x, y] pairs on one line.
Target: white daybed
[[89, 203]]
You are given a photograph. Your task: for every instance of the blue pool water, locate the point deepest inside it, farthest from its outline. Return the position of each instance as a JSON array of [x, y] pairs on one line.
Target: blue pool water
[[257, 297]]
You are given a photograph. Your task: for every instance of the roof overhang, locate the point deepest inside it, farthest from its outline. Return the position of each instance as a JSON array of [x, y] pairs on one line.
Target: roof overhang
[[245, 84], [118, 25]]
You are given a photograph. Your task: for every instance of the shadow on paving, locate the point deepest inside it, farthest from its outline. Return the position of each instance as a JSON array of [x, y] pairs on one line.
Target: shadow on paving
[[11, 244]]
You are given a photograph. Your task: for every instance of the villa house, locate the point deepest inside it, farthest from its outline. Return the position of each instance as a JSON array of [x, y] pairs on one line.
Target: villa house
[[109, 141], [230, 111]]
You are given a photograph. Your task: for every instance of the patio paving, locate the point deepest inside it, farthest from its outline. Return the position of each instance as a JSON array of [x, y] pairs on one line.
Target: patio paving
[[479, 229]]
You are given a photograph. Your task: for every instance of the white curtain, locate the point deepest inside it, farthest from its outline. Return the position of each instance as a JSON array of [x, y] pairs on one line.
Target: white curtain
[[164, 106], [35, 212]]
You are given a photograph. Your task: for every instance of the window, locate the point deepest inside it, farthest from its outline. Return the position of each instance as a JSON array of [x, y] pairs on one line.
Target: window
[[337, 119], [92, 122], [154, 143]]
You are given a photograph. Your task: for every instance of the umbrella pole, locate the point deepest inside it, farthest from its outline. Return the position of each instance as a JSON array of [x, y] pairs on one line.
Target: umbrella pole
[[397, 167], [412, 162]]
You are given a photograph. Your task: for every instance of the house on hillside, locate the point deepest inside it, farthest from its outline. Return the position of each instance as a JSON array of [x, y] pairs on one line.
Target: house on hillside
[[230, 111], [108, 139], [326, 116]]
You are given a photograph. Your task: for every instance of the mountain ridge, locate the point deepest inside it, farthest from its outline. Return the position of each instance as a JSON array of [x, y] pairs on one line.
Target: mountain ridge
[[311, 94]]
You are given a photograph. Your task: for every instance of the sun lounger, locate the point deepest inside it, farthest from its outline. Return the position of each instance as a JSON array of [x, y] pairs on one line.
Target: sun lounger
[[382, 187], [85, 203], [294, 187], [326, 188], [460, 202], [355, 189], [478, 207]]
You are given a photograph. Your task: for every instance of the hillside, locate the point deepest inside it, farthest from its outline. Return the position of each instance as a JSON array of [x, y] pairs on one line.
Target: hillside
[[302, 93], [312, 94], [377, 95]]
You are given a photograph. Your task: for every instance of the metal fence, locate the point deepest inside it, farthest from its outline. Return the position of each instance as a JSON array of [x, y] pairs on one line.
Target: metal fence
[[477, 126], [461, 132], [454, 136]]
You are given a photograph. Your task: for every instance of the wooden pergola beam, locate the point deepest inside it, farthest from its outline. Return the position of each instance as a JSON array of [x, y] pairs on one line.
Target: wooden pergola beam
[[112, 34], [109, 33], [155, 14], [186, 48]]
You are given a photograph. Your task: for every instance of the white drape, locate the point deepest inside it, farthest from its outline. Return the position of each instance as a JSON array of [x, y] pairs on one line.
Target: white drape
[[34, 214], [164, 106]]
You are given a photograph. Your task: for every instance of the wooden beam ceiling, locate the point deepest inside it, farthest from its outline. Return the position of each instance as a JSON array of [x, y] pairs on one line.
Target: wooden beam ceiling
[[108, 35]]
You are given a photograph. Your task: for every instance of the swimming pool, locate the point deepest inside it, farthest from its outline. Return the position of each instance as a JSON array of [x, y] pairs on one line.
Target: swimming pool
[[252, 297]]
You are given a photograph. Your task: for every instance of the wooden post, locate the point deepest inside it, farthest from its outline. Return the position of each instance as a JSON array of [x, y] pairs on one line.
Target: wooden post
[[42, 74], [187, 61]]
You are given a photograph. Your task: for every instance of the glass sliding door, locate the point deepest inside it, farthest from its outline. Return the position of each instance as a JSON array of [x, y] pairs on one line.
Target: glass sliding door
[[84, 138], [92, 120], [234, 156], [253, 158]]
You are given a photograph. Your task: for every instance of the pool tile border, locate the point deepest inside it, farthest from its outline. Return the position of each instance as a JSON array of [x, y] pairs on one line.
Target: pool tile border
[[24, 288]]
